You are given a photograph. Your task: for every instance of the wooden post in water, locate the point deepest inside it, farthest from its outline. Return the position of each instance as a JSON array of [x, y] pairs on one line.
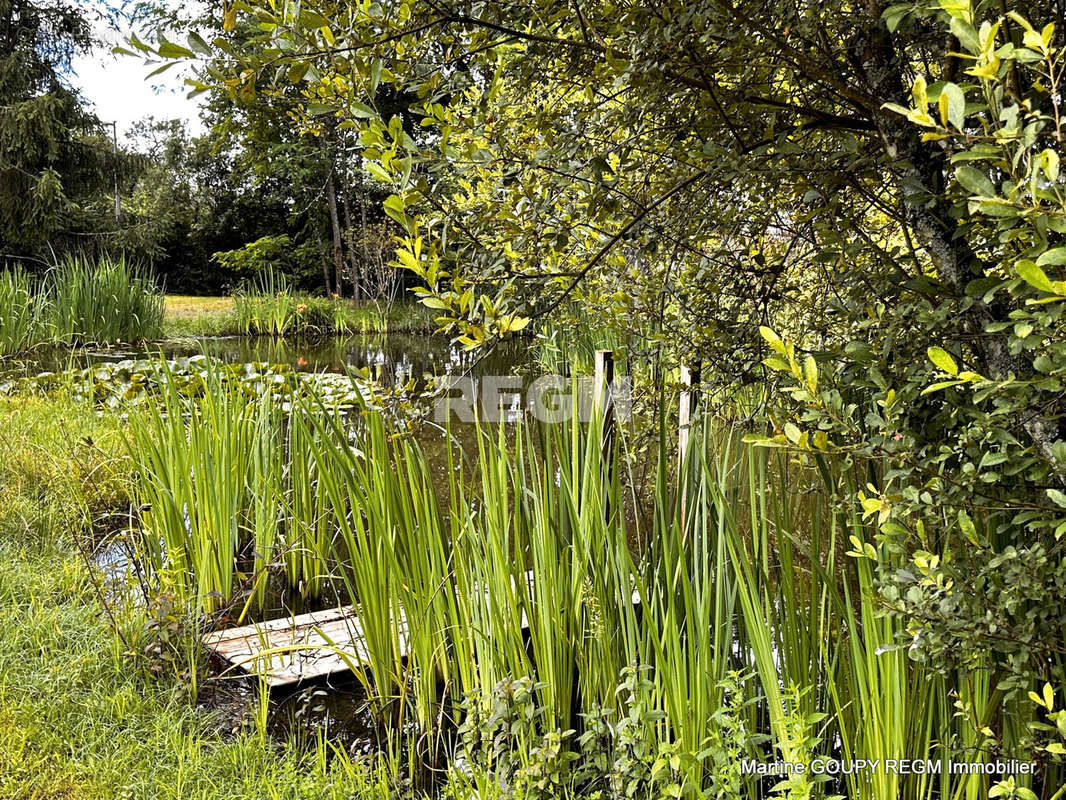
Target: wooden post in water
[[690, 395], [603, 403]]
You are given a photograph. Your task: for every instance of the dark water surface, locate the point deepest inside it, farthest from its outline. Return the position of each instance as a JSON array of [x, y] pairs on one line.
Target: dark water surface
[[393, 356]]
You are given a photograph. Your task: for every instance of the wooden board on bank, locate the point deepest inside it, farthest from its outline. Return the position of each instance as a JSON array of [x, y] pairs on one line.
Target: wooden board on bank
[[293, 649], [289, 650]]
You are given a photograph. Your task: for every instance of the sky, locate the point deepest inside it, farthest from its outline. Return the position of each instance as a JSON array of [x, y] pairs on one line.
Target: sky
[[117, 88]]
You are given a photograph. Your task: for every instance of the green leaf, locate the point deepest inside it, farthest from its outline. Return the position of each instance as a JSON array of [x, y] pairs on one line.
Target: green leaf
[[940, 357], [311, 19], [792, 432], [965, 33], [894, 14], [168, 49], [772, 339], [919, 94], [298, 70], [139, 44], [378, 171], [968, 528], [1029, 272], [361, 110], [953, 105], [1055, 257], [395, 203], [974, 181], [1057, 497], [936, 387], [197, 43], [810, 373]]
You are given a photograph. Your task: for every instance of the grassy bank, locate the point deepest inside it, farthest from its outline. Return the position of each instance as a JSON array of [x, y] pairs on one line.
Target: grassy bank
[[187, 315], [291, 315], [81, 717]]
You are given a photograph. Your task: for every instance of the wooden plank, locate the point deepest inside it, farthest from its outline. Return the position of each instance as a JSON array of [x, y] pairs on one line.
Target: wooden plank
[[281, 623], [306, 644]]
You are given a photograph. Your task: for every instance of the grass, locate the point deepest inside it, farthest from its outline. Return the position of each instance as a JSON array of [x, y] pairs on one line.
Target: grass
[[188, 316], [80, 716], [78, 302], [76, 722], [268, 306]]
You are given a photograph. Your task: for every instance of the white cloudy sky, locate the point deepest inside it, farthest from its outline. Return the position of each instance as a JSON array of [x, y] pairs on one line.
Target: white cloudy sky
[[117, 87]]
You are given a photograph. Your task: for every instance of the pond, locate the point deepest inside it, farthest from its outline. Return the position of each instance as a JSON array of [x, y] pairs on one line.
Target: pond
[[390, 359], [396, 356]]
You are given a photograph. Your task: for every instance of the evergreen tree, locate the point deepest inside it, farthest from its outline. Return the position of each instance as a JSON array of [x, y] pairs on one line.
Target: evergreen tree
[[52, 157]]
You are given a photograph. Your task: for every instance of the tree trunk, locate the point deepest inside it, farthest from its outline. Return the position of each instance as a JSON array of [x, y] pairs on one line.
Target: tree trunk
[[325, 262], [338, 255], [923, 172], [353, 259]]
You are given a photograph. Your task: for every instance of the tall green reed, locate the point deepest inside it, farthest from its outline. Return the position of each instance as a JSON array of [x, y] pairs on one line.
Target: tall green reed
[[519, 559], [20, 312], [102, 301], [78, 302], [268, 306]]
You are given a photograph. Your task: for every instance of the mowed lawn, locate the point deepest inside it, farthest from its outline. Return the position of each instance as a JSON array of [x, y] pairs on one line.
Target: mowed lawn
[[187, 315]]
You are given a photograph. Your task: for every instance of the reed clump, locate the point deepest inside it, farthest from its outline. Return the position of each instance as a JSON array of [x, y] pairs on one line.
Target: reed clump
[[738, 627], [268, 306], [78, 302]]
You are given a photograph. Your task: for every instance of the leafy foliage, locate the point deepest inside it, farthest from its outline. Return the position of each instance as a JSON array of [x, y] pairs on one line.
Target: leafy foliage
[[53, 159]]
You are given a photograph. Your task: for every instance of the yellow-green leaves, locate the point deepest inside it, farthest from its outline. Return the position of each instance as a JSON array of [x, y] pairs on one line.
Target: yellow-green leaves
[[988, 60], [511, 323], [810, 374], [969, 530], [875, 504], [861, 549], [940, 357], [1031, 272], [229, 16], [1048, 163], [772, 339], [1038, 41], [782, 348], [1046, 699], [944, 361], [952, 104]]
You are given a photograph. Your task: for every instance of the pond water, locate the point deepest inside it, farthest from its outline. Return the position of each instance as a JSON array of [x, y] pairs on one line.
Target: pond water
[[393, 356]]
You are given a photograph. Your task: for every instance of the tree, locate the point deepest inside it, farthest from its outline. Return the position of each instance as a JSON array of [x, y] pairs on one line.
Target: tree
[[724, 166], [314, 169], [53, 159]]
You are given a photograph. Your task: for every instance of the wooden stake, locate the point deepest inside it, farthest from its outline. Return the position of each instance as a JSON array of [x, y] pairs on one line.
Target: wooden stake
[[690, 393], [603, 401]]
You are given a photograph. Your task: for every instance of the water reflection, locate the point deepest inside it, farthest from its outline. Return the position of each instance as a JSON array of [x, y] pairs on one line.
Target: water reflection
[[395, 357]]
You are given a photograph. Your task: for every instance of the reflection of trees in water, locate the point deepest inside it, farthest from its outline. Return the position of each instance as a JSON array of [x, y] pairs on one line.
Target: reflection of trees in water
[[393, 358]]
